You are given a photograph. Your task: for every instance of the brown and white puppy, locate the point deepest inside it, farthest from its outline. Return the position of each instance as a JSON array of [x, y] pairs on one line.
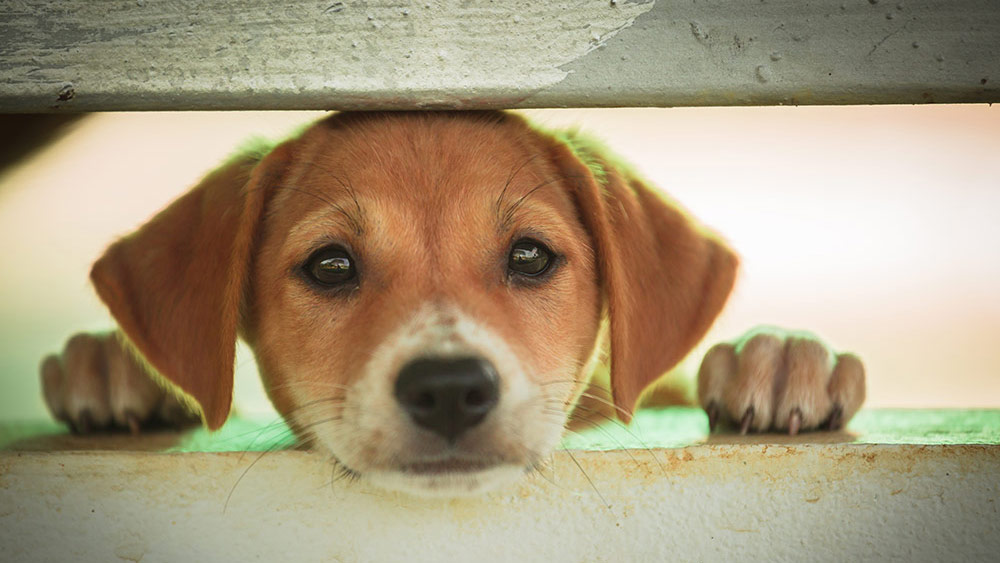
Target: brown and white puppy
[[428, 296]]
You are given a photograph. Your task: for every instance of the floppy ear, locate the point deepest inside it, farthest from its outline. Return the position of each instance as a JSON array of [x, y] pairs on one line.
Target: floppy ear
[[175, 285], [665, 280]]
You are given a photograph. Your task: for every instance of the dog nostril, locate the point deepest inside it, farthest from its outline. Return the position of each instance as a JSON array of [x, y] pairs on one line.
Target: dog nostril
[[475, 398], [447, 395], [424, 401]]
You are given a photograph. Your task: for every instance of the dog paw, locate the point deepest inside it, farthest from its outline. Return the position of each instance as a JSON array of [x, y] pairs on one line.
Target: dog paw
[[777, 380], [96, 385]]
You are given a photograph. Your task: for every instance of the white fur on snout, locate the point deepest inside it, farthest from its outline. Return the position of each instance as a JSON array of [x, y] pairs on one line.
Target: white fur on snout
[[377, 438]]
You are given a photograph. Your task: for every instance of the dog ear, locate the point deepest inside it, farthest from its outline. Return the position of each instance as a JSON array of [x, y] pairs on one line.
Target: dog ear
[[664, 278], [175, 285]]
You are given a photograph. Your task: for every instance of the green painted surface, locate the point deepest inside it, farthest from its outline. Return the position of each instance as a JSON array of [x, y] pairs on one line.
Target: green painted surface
[[666, 428], [685, 426]]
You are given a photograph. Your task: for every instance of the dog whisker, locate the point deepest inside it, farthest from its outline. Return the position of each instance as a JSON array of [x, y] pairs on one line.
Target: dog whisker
[[562, 382], [348, 216], [342, 472], [549, 408], [623, 427], [607, 402], [589, 480], [244, 473], [536, 468], [356, 222], [277, 425], [296, 384], [281, 424], [316, 423], [506, 186], [621, 446], [508, 215]]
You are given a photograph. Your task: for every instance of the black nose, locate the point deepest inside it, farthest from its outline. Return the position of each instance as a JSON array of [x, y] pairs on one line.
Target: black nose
[[447, 395]]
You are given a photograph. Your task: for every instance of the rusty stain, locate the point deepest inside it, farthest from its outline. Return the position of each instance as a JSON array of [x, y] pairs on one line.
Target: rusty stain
[[741, 530], [896, 492], [813, 500]]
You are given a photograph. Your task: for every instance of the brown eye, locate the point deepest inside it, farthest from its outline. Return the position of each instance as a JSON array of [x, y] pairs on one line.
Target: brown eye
[[529, 258], [330, 266]]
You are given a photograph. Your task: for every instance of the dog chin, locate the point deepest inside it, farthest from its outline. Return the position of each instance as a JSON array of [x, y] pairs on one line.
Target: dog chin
[[447, 484]]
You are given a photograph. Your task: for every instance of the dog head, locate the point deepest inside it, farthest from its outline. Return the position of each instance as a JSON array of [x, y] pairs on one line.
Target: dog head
[[424, 292]]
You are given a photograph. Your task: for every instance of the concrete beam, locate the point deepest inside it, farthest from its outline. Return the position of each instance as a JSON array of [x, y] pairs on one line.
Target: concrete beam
[[707, 503], [80, 55], [899, 486]]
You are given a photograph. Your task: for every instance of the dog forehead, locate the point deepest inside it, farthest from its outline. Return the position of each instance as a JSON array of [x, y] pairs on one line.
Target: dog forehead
[[431, 171], [423, 155]]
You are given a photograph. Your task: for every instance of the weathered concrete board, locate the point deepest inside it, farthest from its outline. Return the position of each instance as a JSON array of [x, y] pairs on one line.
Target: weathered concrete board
[[906, 485], [82, 55], [703, 503]]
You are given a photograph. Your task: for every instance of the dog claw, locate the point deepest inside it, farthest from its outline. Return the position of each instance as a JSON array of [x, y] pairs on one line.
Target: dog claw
[[713, 416], [746, 421], [85, 425], [835, 421], [133, 423], [794, 422]]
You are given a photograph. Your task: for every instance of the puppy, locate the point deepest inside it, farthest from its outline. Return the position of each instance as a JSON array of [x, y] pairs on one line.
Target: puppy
[[429, 296]]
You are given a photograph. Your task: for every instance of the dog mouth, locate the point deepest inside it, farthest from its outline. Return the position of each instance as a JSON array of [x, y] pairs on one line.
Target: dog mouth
[[451, 476], [453, 465]]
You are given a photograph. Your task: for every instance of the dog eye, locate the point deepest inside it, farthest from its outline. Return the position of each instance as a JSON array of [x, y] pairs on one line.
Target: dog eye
[[330, 266], [529, 258]]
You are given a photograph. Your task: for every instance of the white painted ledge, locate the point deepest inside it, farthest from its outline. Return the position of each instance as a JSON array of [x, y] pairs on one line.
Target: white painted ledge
[[765, 498], [81, 55]]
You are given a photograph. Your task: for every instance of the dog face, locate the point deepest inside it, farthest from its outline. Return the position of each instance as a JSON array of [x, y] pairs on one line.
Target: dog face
[[427, 241], [423, 291]]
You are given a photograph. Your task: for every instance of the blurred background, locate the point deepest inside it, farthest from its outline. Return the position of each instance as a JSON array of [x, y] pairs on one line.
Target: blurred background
[[877, 227]]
